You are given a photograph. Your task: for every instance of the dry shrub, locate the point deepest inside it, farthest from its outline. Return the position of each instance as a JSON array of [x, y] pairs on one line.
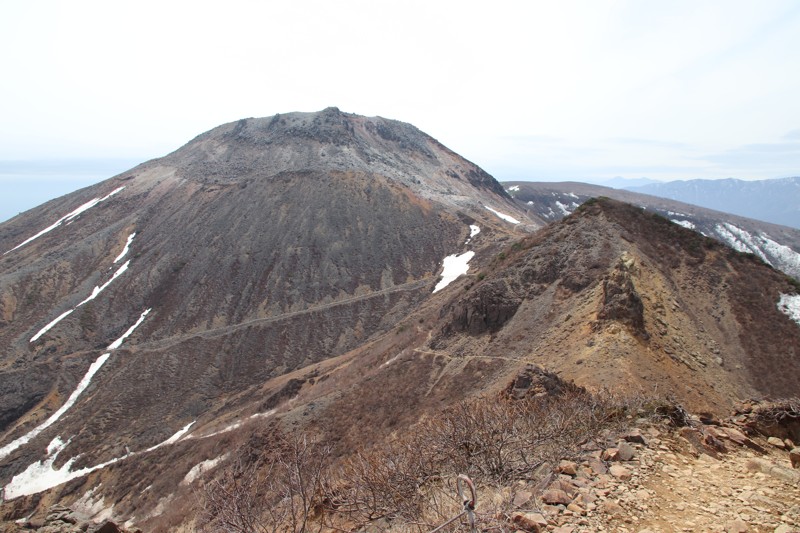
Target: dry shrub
[[407, 483], [269, 489], [779, 418], [494, 441]]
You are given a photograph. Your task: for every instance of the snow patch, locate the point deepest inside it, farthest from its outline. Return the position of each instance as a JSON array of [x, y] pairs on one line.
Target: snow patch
[[67, 218], [454, 266], [563, 208], [173, 439], [685, 223], [740, 240], [117, 343], [41, 475], [93, 506], [198, 469], [97, 290], [390, 361], [507, 218], [127, 248], [763, 246], [473, 230], [84, 382], [82, 385], [572, 195], [789, 304], [513, 188], [45, 329]]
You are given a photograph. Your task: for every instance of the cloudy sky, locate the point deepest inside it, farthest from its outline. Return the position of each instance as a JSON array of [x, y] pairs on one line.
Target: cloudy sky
[[528, 90]]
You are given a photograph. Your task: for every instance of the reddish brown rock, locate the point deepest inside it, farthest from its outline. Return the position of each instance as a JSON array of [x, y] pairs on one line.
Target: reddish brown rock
[[567, 467], [534, 522], [556, 497], [620, 472]]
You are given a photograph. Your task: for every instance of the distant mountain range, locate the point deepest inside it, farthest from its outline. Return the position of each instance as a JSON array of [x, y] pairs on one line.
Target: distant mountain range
[[776, 201]]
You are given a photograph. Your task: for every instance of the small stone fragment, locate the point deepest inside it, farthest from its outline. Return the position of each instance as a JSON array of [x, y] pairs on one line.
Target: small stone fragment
[[522, 497], [533, 522], [778, 443], [567, 467], [556, 497], [620, 472], [794, 457], [626, 452]]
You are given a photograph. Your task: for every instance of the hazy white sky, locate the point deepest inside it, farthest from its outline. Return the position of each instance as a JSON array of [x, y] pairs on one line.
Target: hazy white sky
[[528, 90]]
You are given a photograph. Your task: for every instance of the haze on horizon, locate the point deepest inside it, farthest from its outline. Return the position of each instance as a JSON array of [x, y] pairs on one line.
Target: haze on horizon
[[582, 90]]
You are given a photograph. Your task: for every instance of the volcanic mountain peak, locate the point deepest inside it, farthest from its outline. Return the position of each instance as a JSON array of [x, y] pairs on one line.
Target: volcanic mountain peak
[[331, 140]]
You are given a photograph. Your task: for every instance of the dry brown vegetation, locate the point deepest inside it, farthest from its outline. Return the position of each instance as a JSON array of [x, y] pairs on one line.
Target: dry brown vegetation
[[294, 483]]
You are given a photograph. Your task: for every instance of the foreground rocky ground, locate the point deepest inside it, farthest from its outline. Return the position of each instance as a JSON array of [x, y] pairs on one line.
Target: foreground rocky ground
[[662, 479], [654, 477]]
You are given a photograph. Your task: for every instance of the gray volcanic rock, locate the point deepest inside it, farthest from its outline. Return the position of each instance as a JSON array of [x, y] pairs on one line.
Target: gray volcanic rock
[[261, 247]]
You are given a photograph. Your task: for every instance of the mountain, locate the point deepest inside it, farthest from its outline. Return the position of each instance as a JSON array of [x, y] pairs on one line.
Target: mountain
[[776, 201], [778, 246], [342, 277]]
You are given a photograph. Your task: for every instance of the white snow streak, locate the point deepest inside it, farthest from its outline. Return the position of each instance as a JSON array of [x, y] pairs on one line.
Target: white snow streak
[[685, 223], [95, 292], [507, 218], [125, 250], [763, 246], [513, 188], [453, 267], [41, 475], [44, 330], [173, 439], [788, 259], [789, 304], [84, 382], [68, 217], [117, 343], [740, 240], [198, 469]]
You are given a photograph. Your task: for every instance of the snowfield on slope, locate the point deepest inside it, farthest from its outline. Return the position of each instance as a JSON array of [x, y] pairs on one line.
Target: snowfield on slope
[[789, 304], [42, 473], [507, 218], [453, 266]]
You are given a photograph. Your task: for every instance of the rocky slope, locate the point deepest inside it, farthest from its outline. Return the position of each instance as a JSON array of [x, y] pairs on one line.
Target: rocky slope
[[776, 245], [277, 275]]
